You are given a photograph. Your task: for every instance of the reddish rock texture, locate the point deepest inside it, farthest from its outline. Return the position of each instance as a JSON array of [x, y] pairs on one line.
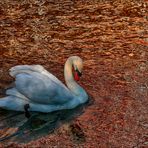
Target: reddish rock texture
[[111, 37]]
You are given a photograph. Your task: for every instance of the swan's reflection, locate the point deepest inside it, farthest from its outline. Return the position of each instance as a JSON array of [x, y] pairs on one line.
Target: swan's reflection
[[14, 127]]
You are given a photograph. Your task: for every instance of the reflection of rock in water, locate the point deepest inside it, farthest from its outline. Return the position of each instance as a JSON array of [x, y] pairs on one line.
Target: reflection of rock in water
[[15, 127]]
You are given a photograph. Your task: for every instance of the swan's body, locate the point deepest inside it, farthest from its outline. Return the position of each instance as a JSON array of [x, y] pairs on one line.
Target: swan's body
[[42, 90]]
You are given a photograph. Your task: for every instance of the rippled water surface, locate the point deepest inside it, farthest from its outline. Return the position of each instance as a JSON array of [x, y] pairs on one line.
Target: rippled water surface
[[15, 127], [111, 38]]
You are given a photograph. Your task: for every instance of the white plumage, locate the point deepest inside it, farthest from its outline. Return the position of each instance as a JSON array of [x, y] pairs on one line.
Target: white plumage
[[43, 91]]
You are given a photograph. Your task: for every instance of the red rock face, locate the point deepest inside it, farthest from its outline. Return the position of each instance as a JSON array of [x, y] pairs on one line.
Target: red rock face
[[110, 36]]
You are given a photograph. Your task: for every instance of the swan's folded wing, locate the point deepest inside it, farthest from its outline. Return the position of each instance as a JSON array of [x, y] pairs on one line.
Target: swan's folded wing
[[28, 69], [25, 68], [40, 88]]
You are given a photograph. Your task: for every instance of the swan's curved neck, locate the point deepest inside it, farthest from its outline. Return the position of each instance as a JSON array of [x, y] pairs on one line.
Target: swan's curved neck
[[78, 91]]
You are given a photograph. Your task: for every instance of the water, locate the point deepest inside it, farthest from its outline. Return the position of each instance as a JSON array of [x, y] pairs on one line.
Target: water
[[111, 38], [17, 128]]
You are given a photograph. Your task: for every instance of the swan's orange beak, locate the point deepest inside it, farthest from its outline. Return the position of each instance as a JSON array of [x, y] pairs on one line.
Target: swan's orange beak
[[77, 75]]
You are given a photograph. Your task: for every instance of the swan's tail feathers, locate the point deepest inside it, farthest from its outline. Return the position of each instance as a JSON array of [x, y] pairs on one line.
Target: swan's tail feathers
[[25, 69], [8, 103], [3, 102], [13, 98], [14, 92], [12, 103]]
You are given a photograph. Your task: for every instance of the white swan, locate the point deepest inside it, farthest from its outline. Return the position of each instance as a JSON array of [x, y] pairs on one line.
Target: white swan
[[42, 90]]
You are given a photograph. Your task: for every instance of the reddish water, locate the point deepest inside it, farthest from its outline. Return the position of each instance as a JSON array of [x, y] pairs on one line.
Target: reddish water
[[111, 38]]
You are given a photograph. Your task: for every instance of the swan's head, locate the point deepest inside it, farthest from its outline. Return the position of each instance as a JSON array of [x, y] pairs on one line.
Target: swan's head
[[77, 64]]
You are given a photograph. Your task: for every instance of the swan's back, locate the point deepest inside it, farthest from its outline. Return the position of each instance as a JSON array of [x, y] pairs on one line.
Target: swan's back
[[33, 68], [38, 85]]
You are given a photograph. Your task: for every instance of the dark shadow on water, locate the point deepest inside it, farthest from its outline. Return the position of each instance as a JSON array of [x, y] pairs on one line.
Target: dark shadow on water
[[15, 127]]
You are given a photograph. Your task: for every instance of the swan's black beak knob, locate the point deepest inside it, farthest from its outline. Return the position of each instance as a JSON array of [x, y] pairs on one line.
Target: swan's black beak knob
[[79, 73]]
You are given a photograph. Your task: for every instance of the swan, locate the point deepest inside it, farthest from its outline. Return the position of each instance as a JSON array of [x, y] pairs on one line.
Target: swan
[[35, 89]]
